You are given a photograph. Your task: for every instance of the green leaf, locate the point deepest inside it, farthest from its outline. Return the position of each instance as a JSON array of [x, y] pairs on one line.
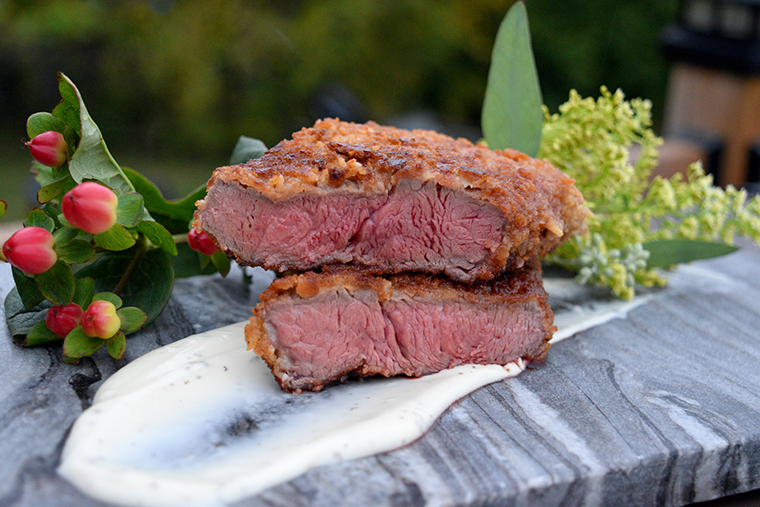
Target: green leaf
[[3, 208], [19, 319], [158, 235], [38, 335], [57, 283], [63, 183], [77, 344], [75, 252], [512, 116], [27, 290], [91, 160], [116, 238], [68, 109], [64, 236], [188, 263], [149, 286], [117, 345], [181, 210], [43, 174], [38, 218], [221, 262], [245, 149], [131, 318], [71, 135], [669, 252], [52, 210], [108, 296], [130, 209], [38, 123], [85, 291]]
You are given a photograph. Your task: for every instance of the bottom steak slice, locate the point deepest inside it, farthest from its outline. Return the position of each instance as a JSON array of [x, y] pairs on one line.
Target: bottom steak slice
[[316, 328]]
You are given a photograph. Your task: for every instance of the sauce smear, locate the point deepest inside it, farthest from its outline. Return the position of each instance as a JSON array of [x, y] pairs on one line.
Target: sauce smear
[[201, 422]]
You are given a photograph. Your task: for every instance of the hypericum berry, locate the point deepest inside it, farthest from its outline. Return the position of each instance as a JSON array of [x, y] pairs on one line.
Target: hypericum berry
[[63, 319], [31, 250], [100, 320], [201, 242], [91, 207], [49, 148]]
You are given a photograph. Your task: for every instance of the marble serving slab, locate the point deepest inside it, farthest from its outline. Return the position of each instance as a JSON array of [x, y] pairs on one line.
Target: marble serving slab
[[661, 407]]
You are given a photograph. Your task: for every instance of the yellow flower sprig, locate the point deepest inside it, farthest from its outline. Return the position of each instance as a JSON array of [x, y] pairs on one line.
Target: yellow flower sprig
[[593, 141]]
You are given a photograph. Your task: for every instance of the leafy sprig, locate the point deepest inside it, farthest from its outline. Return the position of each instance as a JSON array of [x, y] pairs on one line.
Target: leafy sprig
[[639, 223], [673, 220], [131, 265]]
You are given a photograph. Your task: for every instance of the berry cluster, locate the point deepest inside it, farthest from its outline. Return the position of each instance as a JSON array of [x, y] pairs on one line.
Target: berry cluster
[[101, 231]]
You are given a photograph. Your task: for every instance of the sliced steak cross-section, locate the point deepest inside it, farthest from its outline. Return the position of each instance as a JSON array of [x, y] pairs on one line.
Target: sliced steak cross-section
[[316, 328], [391, 200]]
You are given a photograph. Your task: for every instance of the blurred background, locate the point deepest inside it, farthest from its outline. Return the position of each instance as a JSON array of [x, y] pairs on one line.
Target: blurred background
[[172, 84]]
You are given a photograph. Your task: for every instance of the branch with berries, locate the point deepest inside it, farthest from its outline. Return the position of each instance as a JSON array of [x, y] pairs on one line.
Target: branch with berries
[[97, 259]]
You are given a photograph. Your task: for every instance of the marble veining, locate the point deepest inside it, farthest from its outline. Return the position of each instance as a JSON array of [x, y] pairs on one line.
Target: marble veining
[[659, 408]]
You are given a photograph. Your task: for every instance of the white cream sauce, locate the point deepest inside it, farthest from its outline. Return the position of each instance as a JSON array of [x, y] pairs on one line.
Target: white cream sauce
[[201, 422]]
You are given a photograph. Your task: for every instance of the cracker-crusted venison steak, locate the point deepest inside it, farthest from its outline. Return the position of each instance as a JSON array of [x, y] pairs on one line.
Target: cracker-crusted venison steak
[[392, 200], [316, 328]]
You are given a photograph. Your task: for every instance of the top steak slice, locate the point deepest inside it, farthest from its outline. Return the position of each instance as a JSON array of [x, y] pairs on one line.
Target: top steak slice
[[392, 200], [316, 328]]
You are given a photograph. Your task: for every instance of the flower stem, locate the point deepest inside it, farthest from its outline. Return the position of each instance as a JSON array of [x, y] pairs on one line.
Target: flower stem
[[142, 247]]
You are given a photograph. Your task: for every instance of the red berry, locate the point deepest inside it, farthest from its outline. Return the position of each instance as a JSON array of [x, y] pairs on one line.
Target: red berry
[[100, 320], [91, 207], [49, 148], [31, 250], [63, 319], [201, 242]]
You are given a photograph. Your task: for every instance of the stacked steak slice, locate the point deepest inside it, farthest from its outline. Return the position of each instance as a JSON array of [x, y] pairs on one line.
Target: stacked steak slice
[[416, 252]]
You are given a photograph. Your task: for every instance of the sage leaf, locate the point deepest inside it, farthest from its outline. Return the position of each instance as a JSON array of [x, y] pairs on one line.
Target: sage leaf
[[91, 160], [38, 123], [38, 335], [158, 235], [68, 109], [150, 282], [77, 344], [117, 345], [246, 148], [131, 318], [116, 238], [130, 209], [669, 252], [57, 283], [38, 218], [512, 116], [108, 296]]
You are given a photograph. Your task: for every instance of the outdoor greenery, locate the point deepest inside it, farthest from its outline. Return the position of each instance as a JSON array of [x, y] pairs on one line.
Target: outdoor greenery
[[195, 74], [173, 84]]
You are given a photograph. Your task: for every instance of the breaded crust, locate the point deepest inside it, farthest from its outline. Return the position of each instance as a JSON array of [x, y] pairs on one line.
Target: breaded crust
[[519, 288], [541, 205]]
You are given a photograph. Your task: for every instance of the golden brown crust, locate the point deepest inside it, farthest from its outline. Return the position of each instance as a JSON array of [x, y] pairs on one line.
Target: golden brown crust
[[518, 287], [309, 284], [541, 203]]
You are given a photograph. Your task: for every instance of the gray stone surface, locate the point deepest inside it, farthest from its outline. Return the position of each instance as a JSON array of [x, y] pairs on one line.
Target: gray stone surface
[[659, 408]]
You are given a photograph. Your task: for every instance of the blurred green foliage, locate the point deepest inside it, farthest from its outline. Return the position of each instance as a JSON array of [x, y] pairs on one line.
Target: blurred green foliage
[[190, 76]]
